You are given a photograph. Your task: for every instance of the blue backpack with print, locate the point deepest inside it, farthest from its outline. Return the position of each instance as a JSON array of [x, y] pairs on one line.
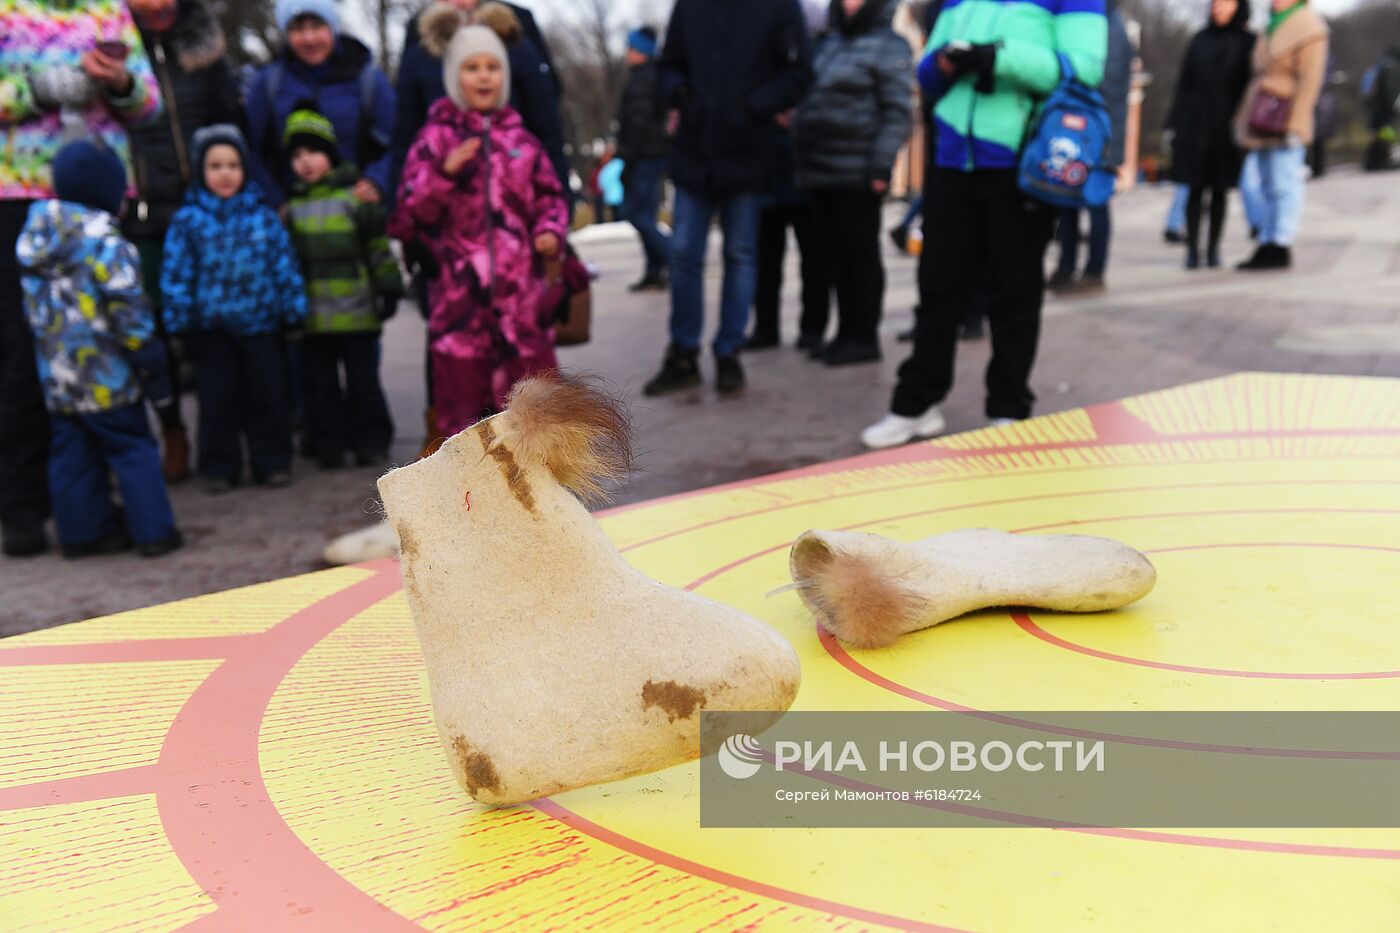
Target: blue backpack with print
[[1064, 161]]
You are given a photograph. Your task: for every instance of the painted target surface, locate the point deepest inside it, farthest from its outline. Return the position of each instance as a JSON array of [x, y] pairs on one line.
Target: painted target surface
[[265, 758]]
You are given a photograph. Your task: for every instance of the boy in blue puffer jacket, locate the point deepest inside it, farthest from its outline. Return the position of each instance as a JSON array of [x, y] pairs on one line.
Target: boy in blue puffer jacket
[[94, 336], [232, 287]]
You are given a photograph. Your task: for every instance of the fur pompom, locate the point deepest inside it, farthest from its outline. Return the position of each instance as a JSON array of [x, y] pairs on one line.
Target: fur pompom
[[856, 598], [438, 24], [577, 431], [501, 20]]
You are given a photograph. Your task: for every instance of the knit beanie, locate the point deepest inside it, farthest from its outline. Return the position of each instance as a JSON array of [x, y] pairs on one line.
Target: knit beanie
[[219, 134], [89, 174], [308, 129], [288, 10], [466, 42], [643, 40]]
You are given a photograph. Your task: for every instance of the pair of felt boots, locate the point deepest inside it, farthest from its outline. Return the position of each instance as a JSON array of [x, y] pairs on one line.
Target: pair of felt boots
[[554, 664]]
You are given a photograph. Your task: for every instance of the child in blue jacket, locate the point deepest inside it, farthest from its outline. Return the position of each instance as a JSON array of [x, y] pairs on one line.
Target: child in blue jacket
[[232, 287], [94, 333]]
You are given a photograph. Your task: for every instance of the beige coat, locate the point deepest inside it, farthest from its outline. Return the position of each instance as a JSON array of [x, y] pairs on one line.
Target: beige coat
[[1292, 64]]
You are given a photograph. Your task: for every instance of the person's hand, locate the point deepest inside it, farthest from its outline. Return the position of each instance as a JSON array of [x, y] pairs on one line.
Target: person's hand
[[462, 154], [980, 60], [547, 245], [879, 185], [367, 191], [945, 65], [784, 119], [109, 72]]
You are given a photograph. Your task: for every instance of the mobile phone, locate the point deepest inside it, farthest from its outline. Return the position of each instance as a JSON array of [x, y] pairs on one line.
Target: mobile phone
[[114, 49]]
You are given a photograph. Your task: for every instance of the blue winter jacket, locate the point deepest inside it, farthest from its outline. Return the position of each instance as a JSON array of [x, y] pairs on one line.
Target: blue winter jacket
[[83, 299], [363, 137], [230, 267]]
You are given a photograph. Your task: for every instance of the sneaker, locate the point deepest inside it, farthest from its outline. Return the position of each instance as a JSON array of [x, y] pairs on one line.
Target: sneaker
[[894, 430], [23, 538], [112, 543], [1193, 258], [216, 485], [1268, 256], [680, 370], [1061, 279], [161, 548], [845, 354], [761, 342], [900, 237], [277, 480], [729, 375], [1173, 236], [809, 342]]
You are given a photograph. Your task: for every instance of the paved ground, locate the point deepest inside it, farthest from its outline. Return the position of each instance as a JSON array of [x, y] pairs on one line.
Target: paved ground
[[1338, 311]]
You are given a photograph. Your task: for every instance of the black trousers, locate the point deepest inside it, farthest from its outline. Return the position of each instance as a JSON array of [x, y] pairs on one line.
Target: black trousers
[[242, 388], [773, 223], [849, 220], [977, 221], [352, 415], [24, 422]]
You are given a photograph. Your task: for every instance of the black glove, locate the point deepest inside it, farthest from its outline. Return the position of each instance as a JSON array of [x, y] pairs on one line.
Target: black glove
[[387, 306], [979, 60]]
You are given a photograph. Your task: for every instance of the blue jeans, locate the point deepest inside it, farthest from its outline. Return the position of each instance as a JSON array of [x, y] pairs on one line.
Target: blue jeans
[[738, 221], [1281, 189], [1176, 216], [1252, 194], [641, 200], [82, 451], [1099, 229]]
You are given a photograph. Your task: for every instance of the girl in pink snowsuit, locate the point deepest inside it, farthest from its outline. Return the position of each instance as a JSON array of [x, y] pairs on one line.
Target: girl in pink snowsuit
[[480, 193]]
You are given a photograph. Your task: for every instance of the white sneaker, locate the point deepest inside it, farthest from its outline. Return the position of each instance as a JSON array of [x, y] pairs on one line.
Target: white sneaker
[[893, 430], [1002, 422]]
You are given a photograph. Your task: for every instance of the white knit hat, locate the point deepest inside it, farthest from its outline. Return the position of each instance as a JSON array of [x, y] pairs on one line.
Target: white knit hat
[[466, 42]]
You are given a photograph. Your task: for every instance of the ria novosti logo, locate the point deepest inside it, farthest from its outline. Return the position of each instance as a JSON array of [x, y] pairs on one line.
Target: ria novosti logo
[[740, 756]]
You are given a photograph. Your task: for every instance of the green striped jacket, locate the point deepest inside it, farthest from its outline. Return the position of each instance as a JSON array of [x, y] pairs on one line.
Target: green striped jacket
[[344, 252]]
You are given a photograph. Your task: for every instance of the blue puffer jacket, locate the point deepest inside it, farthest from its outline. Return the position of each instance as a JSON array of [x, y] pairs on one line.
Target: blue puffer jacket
[[229, 263], [83, 299], [335, 87]]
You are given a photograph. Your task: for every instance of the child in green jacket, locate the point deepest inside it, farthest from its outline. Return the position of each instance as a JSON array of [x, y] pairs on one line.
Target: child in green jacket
[[353, 285]]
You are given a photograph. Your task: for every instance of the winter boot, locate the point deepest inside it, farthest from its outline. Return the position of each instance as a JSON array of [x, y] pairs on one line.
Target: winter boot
[[680, 370], [553, 663], [868, 590]]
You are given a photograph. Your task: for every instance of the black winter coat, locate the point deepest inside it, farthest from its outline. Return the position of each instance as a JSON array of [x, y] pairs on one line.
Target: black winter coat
[[851, 126], [731, 66], [641, 116], [528, 26], [1214, 75], [533, 93], [199, 88]]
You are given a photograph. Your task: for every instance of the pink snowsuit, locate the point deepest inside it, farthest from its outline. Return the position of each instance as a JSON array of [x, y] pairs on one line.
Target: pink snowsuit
[[488, 324]]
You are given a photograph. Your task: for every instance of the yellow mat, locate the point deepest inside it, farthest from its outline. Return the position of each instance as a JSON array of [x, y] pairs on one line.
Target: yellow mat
[[265, 758]]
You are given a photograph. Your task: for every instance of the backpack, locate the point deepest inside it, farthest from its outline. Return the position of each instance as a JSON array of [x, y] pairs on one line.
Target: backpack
[[372, 143], [1064, 161]]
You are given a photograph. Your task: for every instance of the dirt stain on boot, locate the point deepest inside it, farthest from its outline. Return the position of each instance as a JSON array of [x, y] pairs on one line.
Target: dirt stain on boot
[[476, 767], [677, 701], [510, 469]]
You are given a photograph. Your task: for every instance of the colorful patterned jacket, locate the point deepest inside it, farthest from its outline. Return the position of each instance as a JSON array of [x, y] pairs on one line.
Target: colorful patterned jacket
[[40, 34], [984, 131], [230, 267], [344, 252], [83, 298]]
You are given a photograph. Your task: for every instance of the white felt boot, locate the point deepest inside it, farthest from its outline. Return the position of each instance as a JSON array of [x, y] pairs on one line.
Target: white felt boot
[[553, 664], [868, 590]]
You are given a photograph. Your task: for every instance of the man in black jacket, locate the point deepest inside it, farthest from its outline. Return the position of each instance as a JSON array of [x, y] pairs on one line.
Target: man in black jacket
[[642, 146], [199, 87], [731, 68]]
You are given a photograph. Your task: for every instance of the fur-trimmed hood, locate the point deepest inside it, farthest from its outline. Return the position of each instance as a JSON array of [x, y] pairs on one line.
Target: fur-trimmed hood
[[197, 38]]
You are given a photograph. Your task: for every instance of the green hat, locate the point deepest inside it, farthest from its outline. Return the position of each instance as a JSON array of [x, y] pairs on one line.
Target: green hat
[[309, 129]]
